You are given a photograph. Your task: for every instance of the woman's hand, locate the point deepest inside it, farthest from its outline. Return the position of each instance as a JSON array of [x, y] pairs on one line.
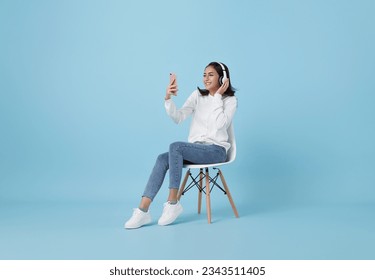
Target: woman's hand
[[171, 90], [223, 87]]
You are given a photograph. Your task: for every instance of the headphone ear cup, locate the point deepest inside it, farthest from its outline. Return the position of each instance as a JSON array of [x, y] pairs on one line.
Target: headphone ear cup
[[221, 80]]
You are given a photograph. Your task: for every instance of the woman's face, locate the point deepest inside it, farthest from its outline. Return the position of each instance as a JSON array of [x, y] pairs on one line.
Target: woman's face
[[211, 79]]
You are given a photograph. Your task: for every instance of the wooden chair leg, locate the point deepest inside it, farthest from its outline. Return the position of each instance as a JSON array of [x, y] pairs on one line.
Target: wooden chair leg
[[183, 184], [228, 194], [208, 200], [200, 191]]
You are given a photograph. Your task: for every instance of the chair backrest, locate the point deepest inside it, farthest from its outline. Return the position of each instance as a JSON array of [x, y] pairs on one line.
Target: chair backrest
[[231, 154]]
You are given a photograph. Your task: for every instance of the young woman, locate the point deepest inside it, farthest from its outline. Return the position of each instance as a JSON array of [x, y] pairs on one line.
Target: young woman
[[212, 110]]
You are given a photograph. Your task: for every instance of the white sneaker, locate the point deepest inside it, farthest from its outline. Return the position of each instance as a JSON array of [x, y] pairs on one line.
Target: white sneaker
[[170, 213], [138, 219]]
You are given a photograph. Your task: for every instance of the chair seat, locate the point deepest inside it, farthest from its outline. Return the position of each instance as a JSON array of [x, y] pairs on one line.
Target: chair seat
[[192, 166]]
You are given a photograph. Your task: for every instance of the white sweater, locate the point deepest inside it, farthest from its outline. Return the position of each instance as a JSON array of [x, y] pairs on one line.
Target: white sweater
[[211, 117]]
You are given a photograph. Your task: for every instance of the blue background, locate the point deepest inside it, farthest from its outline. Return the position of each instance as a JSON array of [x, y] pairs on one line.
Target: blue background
[[82, 121]]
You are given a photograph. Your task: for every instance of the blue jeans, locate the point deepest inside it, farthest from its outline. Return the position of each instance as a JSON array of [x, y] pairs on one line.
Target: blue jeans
[[180, 152]]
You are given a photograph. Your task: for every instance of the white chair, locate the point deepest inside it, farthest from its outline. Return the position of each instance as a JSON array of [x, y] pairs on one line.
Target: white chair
[[231, 155]]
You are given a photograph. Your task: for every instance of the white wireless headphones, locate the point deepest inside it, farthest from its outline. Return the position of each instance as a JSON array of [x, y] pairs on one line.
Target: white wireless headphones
[[223, 78]]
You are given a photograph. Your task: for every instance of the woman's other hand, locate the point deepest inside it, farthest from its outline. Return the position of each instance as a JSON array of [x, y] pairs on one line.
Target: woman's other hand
[[223, 87]]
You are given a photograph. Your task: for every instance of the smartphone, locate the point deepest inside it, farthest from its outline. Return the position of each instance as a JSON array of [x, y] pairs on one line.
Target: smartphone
[[172, 78]]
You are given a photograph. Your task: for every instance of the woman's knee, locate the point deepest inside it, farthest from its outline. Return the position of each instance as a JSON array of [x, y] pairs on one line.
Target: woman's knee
[[163, 159], [175, 146]]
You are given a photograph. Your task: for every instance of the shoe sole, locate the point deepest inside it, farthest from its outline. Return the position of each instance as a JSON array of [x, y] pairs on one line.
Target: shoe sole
[[135, 227]]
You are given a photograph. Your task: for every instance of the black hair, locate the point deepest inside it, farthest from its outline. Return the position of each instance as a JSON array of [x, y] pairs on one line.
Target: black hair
[[230, 90]]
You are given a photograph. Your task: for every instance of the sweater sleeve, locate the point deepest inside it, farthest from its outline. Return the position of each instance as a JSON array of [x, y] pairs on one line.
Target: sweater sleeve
[[223, 111], [179, 115]]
